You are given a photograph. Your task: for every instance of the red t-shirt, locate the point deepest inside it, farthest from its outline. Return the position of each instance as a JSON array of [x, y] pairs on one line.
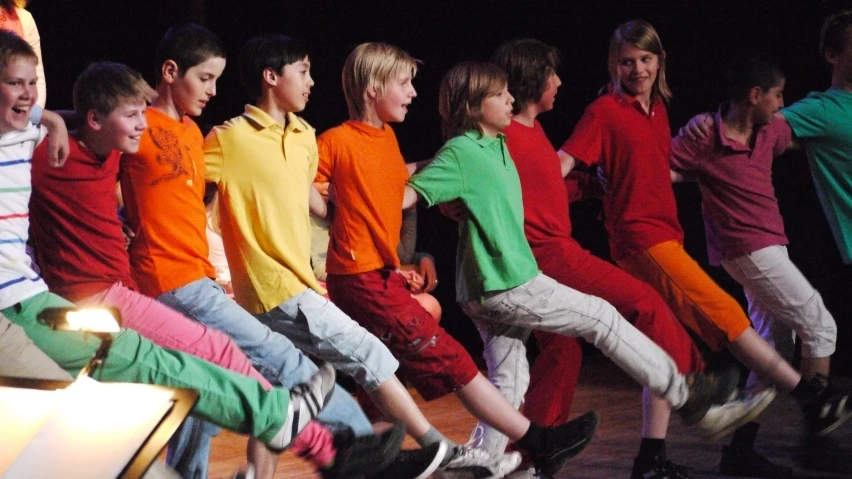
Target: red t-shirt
[[633, 150], [75, 224]]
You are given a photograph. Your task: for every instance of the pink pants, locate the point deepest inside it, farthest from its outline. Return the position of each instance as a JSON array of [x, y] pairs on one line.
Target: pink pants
[[169, 329]]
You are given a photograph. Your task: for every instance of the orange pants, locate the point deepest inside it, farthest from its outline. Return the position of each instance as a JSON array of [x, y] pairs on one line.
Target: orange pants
[[697, 301]]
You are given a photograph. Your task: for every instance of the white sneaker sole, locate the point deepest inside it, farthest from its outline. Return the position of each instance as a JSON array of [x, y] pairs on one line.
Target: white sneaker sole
[[767, 396]]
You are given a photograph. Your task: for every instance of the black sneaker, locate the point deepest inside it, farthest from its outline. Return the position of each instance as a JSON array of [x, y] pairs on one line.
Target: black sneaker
[[830, 409], [414, 464], [359, 456], [564, 442], [705, 390], [744, 461], [657, 468]]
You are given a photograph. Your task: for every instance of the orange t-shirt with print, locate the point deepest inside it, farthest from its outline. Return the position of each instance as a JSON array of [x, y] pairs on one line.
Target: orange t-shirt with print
[[368, 174], [163, 190]]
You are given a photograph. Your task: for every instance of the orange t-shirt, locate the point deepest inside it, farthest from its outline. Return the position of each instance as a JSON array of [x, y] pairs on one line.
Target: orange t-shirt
[[368, 174], [163, 189]]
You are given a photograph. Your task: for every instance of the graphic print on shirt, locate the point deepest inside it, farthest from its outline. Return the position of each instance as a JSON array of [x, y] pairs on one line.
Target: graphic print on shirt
[[170, 154]]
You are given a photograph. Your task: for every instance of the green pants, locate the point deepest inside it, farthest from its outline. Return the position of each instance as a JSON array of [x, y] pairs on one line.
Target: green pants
[[225, 398]]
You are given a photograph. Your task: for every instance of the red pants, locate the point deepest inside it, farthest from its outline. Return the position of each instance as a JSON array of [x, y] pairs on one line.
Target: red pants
[[553, 382]]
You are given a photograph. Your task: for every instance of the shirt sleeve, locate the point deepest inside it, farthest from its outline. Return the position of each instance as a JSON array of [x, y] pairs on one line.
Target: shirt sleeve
[[324, 159], [807, 117], [784, 135], [586, 142], [214, 159], [442, 180], [687, 153]]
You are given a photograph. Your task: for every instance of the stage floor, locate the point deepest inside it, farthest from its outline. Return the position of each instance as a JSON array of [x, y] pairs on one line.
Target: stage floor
[[617, 399]]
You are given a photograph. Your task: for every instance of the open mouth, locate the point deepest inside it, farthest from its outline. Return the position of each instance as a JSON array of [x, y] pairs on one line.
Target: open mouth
[[24, 110]]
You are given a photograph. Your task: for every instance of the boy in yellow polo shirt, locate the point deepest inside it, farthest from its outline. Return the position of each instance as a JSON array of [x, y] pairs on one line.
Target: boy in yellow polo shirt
[[263, 163]]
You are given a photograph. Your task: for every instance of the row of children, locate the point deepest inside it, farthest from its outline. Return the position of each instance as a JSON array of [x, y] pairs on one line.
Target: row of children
[[263, 164]]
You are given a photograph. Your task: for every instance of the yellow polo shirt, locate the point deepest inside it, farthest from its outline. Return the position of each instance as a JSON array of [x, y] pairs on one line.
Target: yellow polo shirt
[[263, 171]]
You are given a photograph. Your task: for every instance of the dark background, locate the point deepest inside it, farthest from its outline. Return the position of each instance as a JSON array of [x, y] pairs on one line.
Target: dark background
[[700, 39]]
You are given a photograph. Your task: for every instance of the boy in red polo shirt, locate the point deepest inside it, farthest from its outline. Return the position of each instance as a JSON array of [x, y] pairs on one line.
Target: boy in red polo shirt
[[531, 68], [626, 131]]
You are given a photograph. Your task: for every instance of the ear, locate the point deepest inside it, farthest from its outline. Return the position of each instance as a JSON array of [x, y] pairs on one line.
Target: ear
[[371, 93], [270, 77], [169, 71], [831, 57], [754, 95], [93, 120]]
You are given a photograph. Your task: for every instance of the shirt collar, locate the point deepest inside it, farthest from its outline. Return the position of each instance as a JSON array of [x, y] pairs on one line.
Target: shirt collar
[[723, 140], [484, 140], [262, 120]]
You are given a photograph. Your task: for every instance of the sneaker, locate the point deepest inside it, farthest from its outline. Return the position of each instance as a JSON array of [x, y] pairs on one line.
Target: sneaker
[[306, 401], [744, 461], [705, 390], [829, 410], [564, 442], [247, 473], [723, 420], [414, 464], [469, 463], [358, 456], [658, 468]]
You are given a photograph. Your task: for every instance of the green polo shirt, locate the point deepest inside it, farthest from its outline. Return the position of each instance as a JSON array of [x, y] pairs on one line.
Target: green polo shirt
[[823, 121], [492, 254]]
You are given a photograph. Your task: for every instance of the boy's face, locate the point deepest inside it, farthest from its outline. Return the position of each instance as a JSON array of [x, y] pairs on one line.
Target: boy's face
[[392, 103], [17, 93], [122, 128], [549, 95], [496, 112], [637, 70], [294, 86], [192, 90], [841, 62], [768, 103]]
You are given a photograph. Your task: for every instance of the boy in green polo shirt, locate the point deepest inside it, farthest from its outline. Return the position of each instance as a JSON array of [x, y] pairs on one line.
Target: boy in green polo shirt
[[498, 281]]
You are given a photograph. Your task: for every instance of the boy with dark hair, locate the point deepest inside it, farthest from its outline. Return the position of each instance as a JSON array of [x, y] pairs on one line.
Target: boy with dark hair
[[531, 67], [264, 163], [163, 190], [745, 234]]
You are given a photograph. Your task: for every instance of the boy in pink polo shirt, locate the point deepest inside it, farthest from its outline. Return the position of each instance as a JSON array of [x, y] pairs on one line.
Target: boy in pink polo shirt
[[745, 231]]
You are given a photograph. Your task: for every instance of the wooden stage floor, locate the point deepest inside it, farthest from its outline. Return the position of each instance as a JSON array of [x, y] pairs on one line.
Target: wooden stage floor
[[617, 399]]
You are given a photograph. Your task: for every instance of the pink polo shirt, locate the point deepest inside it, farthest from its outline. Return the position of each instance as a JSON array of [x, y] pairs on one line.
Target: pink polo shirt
[[633, 149], [738, 200]]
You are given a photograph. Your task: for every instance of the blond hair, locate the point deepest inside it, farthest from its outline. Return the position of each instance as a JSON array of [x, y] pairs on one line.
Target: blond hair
[[102, 86], [373, 65], [643, 36], [462, 91]]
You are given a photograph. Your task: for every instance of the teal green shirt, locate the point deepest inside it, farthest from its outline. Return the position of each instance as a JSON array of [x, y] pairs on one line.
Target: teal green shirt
[[823, 121], [492, 254]]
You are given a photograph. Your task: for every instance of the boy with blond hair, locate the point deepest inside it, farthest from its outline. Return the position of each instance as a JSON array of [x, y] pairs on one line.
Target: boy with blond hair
[[263, 163], [362, 161]]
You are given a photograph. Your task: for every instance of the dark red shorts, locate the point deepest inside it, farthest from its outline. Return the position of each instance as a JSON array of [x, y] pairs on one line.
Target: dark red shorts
[[432, 360]]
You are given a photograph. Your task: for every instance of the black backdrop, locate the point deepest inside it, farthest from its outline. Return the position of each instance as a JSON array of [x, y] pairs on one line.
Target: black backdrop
[[700, 38]]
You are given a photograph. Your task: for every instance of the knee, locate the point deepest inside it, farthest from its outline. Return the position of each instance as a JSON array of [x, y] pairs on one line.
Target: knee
[[430, 304]]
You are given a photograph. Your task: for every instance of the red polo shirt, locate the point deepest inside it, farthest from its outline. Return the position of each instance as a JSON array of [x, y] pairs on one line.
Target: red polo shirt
[[739, 205], [633, 149], [75, 225]]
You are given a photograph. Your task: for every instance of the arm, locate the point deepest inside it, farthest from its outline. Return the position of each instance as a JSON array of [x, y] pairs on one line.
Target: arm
[[566, 161], [698, 128], [417, 166], [57, 140], [316, 204], [410, 197]]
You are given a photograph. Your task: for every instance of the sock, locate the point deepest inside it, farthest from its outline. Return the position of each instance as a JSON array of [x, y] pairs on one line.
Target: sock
[[433, 436], [806, 390], [316, 444], [534, 440], [745, 436], [651, 447]]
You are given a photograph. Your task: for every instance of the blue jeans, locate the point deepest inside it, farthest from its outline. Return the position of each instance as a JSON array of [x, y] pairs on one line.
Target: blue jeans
[[321, 329], [274, 356], [189, 448]]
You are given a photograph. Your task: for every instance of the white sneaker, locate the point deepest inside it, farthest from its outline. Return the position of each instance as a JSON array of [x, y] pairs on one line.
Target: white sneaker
[[468, 463], [724, 419]]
